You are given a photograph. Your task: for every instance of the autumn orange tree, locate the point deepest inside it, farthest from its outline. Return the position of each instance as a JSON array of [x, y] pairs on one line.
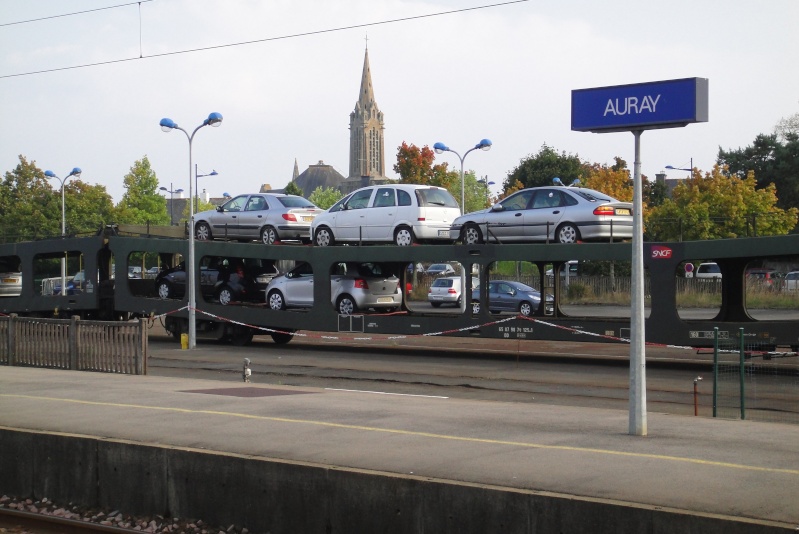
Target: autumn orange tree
[[415, 166], [718, 206]]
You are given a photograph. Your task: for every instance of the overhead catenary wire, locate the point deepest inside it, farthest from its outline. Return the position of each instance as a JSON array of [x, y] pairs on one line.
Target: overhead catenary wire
[[257, 41]]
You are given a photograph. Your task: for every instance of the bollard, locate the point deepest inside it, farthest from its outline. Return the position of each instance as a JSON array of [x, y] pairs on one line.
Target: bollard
[[184, 341]]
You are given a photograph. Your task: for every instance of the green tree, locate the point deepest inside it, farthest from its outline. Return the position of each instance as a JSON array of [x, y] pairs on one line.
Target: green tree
[[773, 161], [293, 189], [28, 205], [539, 169], [476, 195], [141, 203], [324, 197], [718, 206], [88, 207]]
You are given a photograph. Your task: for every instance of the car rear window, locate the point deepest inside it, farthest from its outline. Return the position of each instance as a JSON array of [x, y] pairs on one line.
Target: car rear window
[[592, 196], [296, 202], [443, 282], [435, 196]]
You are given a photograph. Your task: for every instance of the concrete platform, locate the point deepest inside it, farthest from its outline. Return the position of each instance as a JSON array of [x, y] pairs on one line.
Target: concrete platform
[[283, 459]]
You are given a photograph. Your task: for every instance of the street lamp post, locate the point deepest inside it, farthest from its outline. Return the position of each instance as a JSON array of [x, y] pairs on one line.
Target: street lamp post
[[197, 188], [50, 174], [171, 192], [484, 144], [167, 125], [488, 190]]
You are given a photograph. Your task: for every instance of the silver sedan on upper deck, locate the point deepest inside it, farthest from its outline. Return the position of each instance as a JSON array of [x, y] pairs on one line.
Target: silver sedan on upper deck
[[268, 217], [560, 214]]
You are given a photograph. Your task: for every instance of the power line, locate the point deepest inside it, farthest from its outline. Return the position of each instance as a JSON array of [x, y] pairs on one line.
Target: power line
[[264, 40], [71, 14]]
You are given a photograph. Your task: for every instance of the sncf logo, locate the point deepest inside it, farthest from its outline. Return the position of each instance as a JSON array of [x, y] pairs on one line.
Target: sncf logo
[[659, 251]]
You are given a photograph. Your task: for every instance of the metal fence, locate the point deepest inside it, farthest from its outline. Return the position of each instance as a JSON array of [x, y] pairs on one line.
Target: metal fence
[[74, 344], [750, 382]]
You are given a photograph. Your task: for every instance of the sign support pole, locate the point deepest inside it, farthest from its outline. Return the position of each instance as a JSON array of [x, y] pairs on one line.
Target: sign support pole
[[637, 323]]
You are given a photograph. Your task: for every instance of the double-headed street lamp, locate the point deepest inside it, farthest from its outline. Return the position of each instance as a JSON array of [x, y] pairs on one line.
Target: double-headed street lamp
[[485, 144], [691, 170], [172, 192], [50, 174], [197, 188], [167, 125]]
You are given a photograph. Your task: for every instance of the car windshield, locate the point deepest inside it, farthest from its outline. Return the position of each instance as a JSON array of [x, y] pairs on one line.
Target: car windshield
[[296, 202], [435, 196]]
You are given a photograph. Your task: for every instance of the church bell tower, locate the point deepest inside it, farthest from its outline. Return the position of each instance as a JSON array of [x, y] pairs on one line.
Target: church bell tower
[[367, 157]]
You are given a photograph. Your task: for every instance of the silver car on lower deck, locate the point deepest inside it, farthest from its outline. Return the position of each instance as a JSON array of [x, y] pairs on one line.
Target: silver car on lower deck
[[353, 287], [559, 214]]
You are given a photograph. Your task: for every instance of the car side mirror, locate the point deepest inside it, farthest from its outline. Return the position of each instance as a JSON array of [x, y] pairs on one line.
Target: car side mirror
[[220, 209], [497, 207]]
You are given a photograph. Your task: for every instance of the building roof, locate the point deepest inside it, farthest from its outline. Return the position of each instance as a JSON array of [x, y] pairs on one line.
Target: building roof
[[319, 175]]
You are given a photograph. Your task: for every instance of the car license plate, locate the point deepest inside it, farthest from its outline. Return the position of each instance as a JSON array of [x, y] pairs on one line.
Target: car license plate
[[622, 211], [443, 233], [9, 281], [307, 219], [382, 300]]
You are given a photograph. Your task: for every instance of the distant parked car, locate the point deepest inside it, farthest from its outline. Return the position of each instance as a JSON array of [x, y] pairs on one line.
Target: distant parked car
[[445, 290], [708, 271], [398, 213], [10, 279], [791, 281], [75, 285], [153, 271], [134, 272], [508, 295], [353, 287], [440, 269], [268, 217], [762, 276], [557, 213]]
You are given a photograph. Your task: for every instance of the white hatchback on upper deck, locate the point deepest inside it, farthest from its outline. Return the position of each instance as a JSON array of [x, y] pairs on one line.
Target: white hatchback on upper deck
[[399, 213]]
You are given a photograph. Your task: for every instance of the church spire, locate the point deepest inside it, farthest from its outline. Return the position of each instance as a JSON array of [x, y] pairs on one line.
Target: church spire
[[367, 92], [296, 171]]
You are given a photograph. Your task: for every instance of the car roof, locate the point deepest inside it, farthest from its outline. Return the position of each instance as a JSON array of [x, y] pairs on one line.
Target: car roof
[[406, 187]]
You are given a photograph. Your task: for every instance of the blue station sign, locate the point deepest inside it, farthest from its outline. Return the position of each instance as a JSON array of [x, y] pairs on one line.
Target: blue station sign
[[641, 106]]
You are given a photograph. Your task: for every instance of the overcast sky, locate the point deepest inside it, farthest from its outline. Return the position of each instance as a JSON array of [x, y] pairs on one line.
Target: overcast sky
[[505, 73]]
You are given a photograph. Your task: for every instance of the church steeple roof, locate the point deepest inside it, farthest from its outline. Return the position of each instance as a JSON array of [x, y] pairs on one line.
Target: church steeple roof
[[367, 92]]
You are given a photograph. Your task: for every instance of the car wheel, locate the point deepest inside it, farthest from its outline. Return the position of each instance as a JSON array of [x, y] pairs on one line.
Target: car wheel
[[475, 307], [164, 290], [225, 295], [567, 233], [346, 305], [241, 336], [276, 300], [323, 237], [435, 304], [281, 338], [471, 235], [403, 236], [526, 309], [202, 231], [268, 235]]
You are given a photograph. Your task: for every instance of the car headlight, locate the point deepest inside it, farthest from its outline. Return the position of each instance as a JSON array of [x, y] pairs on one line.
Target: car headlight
[[263, 279]]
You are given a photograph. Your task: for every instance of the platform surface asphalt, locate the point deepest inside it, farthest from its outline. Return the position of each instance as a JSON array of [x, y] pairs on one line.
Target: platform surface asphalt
[[736, 469]]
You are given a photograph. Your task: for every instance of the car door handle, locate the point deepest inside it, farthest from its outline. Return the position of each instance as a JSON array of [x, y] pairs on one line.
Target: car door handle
[[518, 215], [556, 212]]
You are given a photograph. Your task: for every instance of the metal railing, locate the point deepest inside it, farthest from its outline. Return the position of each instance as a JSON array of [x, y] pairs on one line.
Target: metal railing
[[74, 344]]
